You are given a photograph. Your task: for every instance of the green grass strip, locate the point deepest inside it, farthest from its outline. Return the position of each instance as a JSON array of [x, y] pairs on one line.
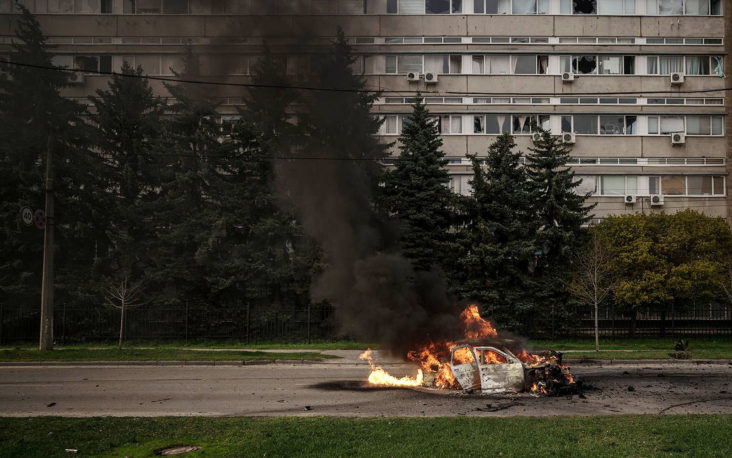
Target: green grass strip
[[161, 354], [636, 435]]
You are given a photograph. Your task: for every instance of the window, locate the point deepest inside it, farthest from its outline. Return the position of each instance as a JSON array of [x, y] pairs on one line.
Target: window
[[664, 65], [524, 65], [699, 185], [86, 63], [175, 6], [588, 186], [409, 63], [436, 63], [585, 124], [629, 65], [8, 6], [456, 64], [411, 6], [478, 67], [613, 185], [497, 124], [499, 65], [673, 185], [106, 6], [671, 124], [698, 125], [584, 65], [612, 125], [437, 6], [60, 6], [697, 65], [584, 6], [391, 6], [697, 7], [149, 63], [611, 65], [450, 124], [497, 6], [392, 125], [670, 7], [524, 6]]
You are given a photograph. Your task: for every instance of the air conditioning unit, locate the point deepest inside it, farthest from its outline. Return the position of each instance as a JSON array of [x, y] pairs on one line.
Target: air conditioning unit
[[430, 78], [630, 199], [678, 138], [536, 136], [567, 77], [413, 77], [76, 78], [568, 137], [656, 200], [677, 78]]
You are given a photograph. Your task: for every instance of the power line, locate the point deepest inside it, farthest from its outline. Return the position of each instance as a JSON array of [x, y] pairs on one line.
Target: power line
[[330, 89]]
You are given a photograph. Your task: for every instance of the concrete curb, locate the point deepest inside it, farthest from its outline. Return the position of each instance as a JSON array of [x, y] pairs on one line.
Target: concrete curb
[[260, 362], [610, 362]]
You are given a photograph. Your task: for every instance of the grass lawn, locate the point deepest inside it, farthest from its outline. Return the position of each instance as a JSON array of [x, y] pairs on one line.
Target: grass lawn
[[217, 344], [647, 348], [638, 435], [147, 354]]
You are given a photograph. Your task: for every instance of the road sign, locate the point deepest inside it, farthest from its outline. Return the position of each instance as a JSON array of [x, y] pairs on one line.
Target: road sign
[[26, 215], [39, 218]]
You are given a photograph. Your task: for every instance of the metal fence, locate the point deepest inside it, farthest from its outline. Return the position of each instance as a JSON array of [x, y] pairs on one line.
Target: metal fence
[[183, 322], [709, 320], [245, 323]]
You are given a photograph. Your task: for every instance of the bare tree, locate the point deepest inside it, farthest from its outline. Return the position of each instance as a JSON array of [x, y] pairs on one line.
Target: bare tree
[[122, 297], [593, 280]]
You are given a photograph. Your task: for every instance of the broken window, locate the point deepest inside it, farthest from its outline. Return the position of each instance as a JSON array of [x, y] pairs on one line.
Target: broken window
[[584, 7], [584, 65]]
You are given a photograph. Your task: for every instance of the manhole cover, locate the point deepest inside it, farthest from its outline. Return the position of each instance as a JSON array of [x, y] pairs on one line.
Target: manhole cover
[[176, 450]]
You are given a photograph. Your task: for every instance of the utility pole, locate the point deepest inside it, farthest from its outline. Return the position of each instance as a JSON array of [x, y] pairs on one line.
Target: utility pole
[[46, 339]]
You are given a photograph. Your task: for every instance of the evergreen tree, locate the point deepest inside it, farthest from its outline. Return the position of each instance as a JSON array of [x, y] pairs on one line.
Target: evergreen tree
[[498, 239], [128, 121], [417, 193], [560, 212], [187, 207], [35, 118]]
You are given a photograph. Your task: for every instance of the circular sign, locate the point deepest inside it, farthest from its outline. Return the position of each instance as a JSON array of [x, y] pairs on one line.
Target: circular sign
[[26, 215], [39, 218]]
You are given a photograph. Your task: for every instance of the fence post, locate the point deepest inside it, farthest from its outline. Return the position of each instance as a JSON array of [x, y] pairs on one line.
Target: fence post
[[662, 330], [63, 325], [2, 320], [186, 321], [309, 322]]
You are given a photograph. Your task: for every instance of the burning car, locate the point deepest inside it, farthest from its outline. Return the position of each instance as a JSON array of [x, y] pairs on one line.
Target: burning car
[[482, 362]]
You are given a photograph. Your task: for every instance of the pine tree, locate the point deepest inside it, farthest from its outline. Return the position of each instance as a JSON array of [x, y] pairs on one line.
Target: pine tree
[[416, 192], [128, 121], [498, 238], [33, 118], [187, 207], [561, 212]]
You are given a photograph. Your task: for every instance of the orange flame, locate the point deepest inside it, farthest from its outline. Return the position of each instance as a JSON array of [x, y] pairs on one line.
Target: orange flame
[[433, 358], [379, 376]]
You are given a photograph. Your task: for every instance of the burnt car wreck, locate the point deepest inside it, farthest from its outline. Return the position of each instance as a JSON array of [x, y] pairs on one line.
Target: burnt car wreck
[[492, 370]]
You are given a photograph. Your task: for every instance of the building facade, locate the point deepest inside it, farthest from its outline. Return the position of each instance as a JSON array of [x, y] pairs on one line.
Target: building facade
[[636, 87]]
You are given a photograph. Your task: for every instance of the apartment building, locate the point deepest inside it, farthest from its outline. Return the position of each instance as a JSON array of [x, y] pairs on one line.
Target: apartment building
[[635, 87]]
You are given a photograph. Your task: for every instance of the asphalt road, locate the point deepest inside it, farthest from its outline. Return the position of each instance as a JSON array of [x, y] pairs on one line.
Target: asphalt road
[[336, 388]]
